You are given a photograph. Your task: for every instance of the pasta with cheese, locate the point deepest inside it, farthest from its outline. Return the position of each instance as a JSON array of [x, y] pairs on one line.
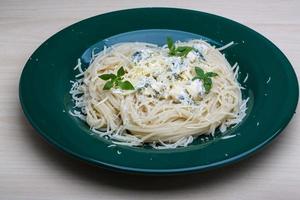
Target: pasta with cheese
[[167, 107]]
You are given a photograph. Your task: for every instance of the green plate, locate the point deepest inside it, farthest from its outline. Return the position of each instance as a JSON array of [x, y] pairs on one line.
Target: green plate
[[45, 82]]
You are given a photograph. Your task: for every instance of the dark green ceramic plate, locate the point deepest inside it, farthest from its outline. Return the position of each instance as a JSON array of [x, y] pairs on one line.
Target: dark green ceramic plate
[[45, 82]]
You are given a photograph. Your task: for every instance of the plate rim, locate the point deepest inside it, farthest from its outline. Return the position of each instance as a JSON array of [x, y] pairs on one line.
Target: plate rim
[[180, 170]]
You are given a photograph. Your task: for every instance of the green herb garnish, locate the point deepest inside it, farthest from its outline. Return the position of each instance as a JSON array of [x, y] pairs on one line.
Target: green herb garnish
[[205, 77], [181, 51], [116, 81]]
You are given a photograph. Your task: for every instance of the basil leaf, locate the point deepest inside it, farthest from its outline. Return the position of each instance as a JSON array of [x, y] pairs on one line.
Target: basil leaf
[[173, 50], [125, 85], [181, 48], [117, 81], [211, 74], [107, 76], [187, 51], [200, 72], [121, 72], [207, 80], [207, 84], [207, 88], [170, 43], [184, 48], [171, 46], [108, 85]]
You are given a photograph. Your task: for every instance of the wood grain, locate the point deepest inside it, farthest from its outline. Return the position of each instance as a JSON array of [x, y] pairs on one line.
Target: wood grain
[[32, 169]]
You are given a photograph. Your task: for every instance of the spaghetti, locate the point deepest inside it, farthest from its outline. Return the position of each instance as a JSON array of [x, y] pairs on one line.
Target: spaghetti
[[167, 107]]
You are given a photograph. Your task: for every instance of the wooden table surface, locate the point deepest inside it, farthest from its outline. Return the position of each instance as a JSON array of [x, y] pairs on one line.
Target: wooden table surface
[[32, 169]]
